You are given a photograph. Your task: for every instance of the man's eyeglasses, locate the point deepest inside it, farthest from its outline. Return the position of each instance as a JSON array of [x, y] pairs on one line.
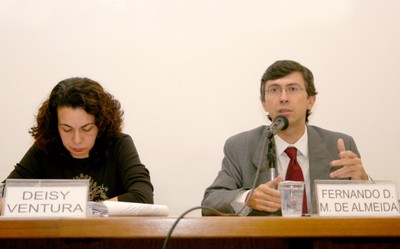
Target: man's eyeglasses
[[277, 90]]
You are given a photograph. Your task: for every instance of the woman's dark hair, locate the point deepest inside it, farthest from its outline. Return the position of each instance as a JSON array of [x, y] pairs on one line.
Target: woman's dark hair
[[78, 93], [280, 69]]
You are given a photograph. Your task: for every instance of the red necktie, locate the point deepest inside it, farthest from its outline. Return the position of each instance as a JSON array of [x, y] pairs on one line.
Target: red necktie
[[294, 172]]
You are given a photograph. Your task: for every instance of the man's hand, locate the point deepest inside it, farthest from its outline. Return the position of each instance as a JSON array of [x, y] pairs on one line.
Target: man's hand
[[266, 197], [352, 165]]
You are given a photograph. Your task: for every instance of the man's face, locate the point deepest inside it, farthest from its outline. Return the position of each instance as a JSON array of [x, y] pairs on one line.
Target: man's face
[[287, 96]]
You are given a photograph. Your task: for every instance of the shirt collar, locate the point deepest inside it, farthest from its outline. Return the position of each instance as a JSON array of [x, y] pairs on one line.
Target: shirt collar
[[301, 144]]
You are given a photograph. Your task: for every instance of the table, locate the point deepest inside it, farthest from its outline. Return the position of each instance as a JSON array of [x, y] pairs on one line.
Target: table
[[201, 232]]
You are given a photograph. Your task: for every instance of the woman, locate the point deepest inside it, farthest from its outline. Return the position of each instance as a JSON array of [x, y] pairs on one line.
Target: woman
[[79, 136]]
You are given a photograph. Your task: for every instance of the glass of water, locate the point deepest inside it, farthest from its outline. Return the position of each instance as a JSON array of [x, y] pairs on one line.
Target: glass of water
[[291, 198]]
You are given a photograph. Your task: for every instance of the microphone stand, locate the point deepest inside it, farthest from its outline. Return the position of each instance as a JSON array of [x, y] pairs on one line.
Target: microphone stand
[[271, 155], [273, 172]]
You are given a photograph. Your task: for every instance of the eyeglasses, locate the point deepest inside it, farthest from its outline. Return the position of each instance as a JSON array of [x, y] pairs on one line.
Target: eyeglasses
[[277, 90]]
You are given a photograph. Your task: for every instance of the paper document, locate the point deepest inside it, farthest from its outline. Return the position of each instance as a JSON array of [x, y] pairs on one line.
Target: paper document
[[118, 208]]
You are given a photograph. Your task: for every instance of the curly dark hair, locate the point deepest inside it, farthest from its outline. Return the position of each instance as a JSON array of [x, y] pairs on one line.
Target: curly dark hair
[[78, 93], [282, 68]]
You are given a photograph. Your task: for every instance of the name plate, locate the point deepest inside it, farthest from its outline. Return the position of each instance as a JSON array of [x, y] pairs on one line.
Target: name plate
[[356, 198], [46, 198]]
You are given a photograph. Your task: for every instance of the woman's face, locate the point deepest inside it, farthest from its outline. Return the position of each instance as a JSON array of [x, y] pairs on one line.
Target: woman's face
[[78, 130]]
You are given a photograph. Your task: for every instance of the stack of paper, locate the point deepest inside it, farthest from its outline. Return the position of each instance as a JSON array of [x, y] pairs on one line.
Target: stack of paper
[[119, 208]]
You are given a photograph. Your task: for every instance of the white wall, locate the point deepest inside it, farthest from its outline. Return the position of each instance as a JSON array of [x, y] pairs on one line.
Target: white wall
[[187, 74]]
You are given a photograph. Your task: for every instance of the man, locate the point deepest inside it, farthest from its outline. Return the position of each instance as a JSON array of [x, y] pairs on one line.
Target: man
[[287, 88]]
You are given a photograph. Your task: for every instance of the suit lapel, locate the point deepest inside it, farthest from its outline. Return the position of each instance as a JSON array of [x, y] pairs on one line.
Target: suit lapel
[[319, 156]]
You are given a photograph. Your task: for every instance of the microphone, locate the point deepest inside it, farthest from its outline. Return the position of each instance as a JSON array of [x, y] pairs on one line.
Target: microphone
[[280, 123]]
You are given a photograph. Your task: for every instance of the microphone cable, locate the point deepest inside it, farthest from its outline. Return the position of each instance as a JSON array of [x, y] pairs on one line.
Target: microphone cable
[[185, 213], [256, 178], [255, 183]]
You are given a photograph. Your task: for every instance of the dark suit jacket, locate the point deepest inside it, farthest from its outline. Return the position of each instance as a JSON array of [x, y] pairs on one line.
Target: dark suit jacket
[[242, 158]]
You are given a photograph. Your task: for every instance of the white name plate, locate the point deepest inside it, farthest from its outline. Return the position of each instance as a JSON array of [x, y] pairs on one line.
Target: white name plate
[[356, 198], [46, 198]]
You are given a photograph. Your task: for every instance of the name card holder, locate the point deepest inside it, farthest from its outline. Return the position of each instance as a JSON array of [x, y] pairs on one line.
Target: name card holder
[[46, 198], [356, 198]]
